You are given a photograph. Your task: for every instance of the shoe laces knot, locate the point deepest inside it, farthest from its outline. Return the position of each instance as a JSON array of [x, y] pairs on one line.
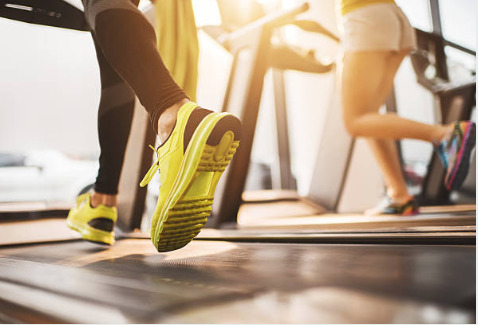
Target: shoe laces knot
[[154, 168]]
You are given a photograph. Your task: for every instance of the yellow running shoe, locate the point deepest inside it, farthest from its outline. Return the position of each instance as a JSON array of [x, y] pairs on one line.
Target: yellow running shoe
[[191, 162], [94, 224]]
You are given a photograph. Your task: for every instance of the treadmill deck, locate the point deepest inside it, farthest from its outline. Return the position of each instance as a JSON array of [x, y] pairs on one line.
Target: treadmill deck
[[237, 282]]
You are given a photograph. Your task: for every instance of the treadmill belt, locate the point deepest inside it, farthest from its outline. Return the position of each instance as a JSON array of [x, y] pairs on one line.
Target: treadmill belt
[[231, 282]]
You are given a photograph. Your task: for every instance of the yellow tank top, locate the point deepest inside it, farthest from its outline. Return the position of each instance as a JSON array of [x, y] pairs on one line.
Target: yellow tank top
[[347, 6]]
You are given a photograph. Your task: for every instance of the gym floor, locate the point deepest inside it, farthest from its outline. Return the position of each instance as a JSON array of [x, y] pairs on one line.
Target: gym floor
[[410, 273], [224, 282]]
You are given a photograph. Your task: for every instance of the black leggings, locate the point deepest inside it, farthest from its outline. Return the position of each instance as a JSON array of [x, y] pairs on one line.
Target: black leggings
[[129, 64]]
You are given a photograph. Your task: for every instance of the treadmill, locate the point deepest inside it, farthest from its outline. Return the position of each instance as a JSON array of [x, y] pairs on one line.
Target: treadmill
[[325, 268]]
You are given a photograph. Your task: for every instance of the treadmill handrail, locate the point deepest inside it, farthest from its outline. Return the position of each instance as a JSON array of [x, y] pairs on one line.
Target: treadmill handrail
[[314, 27], [54, 13], [241, 38]]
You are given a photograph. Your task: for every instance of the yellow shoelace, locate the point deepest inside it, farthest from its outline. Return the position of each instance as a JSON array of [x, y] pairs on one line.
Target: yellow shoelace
[[154, 168]]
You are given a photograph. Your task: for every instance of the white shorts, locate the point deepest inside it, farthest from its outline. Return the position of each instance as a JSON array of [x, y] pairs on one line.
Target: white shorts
[[378, 26]]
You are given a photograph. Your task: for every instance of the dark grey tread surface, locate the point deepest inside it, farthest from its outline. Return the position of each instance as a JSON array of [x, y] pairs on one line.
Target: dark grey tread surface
[[231, 282]]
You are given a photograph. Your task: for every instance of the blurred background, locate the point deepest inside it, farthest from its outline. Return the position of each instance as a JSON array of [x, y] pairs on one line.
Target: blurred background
[[49, 90]]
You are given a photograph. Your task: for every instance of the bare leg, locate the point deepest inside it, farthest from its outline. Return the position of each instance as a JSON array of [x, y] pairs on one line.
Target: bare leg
[[364, 90], [385, 150], [362, 78], [386, 154], [110, 200], [167, 120]]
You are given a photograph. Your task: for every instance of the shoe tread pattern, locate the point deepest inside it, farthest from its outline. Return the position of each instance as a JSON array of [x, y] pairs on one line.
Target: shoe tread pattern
[[186, 219]]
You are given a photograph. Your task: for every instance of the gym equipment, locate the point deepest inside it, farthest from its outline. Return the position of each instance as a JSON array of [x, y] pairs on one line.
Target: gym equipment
[[234, 282], [323, 269], [455, 101], [55, 13], [255, 38], [62, 14]]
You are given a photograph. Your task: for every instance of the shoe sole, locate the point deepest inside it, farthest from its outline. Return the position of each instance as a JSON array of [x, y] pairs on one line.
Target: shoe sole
[[460, 170], [189, 203], [412, 210], [403, 214], [410, 213], [91, 234]]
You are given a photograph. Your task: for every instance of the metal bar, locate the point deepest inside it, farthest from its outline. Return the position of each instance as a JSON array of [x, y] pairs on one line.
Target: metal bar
[[436, 19], [343, 180], [454, 106], [138, 158], [438, 30], [286, 178], [452, 238], [226, 208], [55, 13], [241, 38], [460, 47]]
